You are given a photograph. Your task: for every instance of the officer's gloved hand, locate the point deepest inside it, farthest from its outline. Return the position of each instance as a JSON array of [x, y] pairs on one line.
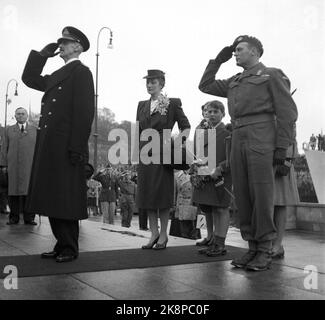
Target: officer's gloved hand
[[225, 54], [48, 50], [282, 170], [279, 157], [76, 158], [3, 168]]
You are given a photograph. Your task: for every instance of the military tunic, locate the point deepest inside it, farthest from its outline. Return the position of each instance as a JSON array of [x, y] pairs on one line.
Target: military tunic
[[263, 114]]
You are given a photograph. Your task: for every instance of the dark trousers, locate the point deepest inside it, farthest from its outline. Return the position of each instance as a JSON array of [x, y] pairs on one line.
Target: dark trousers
[[66, 233], [143, 219], [17, 206]]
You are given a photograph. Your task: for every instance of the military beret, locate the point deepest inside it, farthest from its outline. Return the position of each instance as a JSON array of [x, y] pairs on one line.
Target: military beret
[[251, 40], [154, 74], [73, 34]]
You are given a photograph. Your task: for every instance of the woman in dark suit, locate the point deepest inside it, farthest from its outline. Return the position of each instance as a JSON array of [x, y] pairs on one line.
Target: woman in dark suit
[[155, 192]]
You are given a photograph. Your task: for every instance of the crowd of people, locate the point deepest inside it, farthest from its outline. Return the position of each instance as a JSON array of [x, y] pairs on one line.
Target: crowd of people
[[252, 156], [317, 141]]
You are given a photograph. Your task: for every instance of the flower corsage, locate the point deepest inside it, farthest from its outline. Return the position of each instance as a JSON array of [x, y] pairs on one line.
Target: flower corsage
[[163, 104]]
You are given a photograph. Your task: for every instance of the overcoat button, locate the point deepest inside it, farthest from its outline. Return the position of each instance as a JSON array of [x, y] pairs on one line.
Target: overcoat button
[[59, 88], [54, 100], [45, 126], [50, 113]]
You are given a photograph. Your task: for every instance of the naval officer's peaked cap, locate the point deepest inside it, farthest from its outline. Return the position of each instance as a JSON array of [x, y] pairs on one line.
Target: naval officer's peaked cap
[[74, 34]]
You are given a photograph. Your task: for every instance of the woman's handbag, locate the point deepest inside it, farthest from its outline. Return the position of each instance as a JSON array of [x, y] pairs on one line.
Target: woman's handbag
[[175, 228]]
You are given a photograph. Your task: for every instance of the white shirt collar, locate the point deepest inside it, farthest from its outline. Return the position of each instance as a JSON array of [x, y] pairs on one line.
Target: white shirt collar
[[72, 59], [22, 124], [153, 105]]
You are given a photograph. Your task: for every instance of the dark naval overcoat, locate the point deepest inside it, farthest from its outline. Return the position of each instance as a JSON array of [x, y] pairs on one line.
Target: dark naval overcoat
[[57, 188]]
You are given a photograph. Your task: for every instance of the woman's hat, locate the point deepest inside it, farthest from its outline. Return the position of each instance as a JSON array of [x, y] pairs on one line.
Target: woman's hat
[[154, 74]]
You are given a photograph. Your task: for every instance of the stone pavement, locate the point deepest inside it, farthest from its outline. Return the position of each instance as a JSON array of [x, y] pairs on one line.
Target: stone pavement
[[286, 280]]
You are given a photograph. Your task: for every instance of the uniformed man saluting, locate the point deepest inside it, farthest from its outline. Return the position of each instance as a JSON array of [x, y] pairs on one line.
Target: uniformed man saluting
[[58, 184], [263, 115]]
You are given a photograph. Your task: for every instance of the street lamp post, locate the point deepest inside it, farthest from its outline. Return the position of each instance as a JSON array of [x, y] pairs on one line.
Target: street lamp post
[[16, 94], [110, 45]]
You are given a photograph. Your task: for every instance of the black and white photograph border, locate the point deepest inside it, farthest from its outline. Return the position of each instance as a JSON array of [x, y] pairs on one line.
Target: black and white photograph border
[[128, 38]]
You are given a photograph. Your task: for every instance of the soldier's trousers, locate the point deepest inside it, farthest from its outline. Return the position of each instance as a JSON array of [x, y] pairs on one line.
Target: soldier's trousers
[[252, 171]]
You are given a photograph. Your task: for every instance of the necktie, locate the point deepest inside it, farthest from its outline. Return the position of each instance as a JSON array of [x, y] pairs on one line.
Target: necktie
[[22, 128]]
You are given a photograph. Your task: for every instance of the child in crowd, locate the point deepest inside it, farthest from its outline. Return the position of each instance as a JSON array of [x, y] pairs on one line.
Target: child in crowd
[[214, 198], [93, 191], [185, 212], [127, 198]]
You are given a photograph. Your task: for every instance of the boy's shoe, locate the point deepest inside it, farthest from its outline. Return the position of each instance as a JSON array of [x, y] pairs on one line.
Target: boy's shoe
[[218, 250], [204, 242]]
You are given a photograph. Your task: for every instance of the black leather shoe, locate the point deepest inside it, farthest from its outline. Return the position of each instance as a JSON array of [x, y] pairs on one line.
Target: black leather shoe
[[49, 255], [11, 222], [32, 223], [65, 257]]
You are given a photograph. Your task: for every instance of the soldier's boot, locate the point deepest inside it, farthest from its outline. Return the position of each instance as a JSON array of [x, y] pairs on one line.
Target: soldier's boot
[[262, 261], [245, 259]]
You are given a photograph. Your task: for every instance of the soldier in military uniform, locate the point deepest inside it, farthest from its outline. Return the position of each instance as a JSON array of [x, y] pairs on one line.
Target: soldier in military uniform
[[58, 183], [263, 116]]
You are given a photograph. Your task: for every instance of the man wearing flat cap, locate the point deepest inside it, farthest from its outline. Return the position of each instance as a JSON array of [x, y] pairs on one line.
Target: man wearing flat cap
[[263, 116], [58, 183]]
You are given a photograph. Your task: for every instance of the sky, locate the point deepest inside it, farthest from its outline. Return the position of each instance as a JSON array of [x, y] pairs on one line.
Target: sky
[[176, 36]]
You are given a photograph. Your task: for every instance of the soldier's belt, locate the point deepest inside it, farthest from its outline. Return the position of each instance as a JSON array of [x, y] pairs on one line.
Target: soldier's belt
[[252, 119]]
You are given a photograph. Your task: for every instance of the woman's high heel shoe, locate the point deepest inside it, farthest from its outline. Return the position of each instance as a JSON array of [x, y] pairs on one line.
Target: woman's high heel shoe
[[161, 246], [150, 245]]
